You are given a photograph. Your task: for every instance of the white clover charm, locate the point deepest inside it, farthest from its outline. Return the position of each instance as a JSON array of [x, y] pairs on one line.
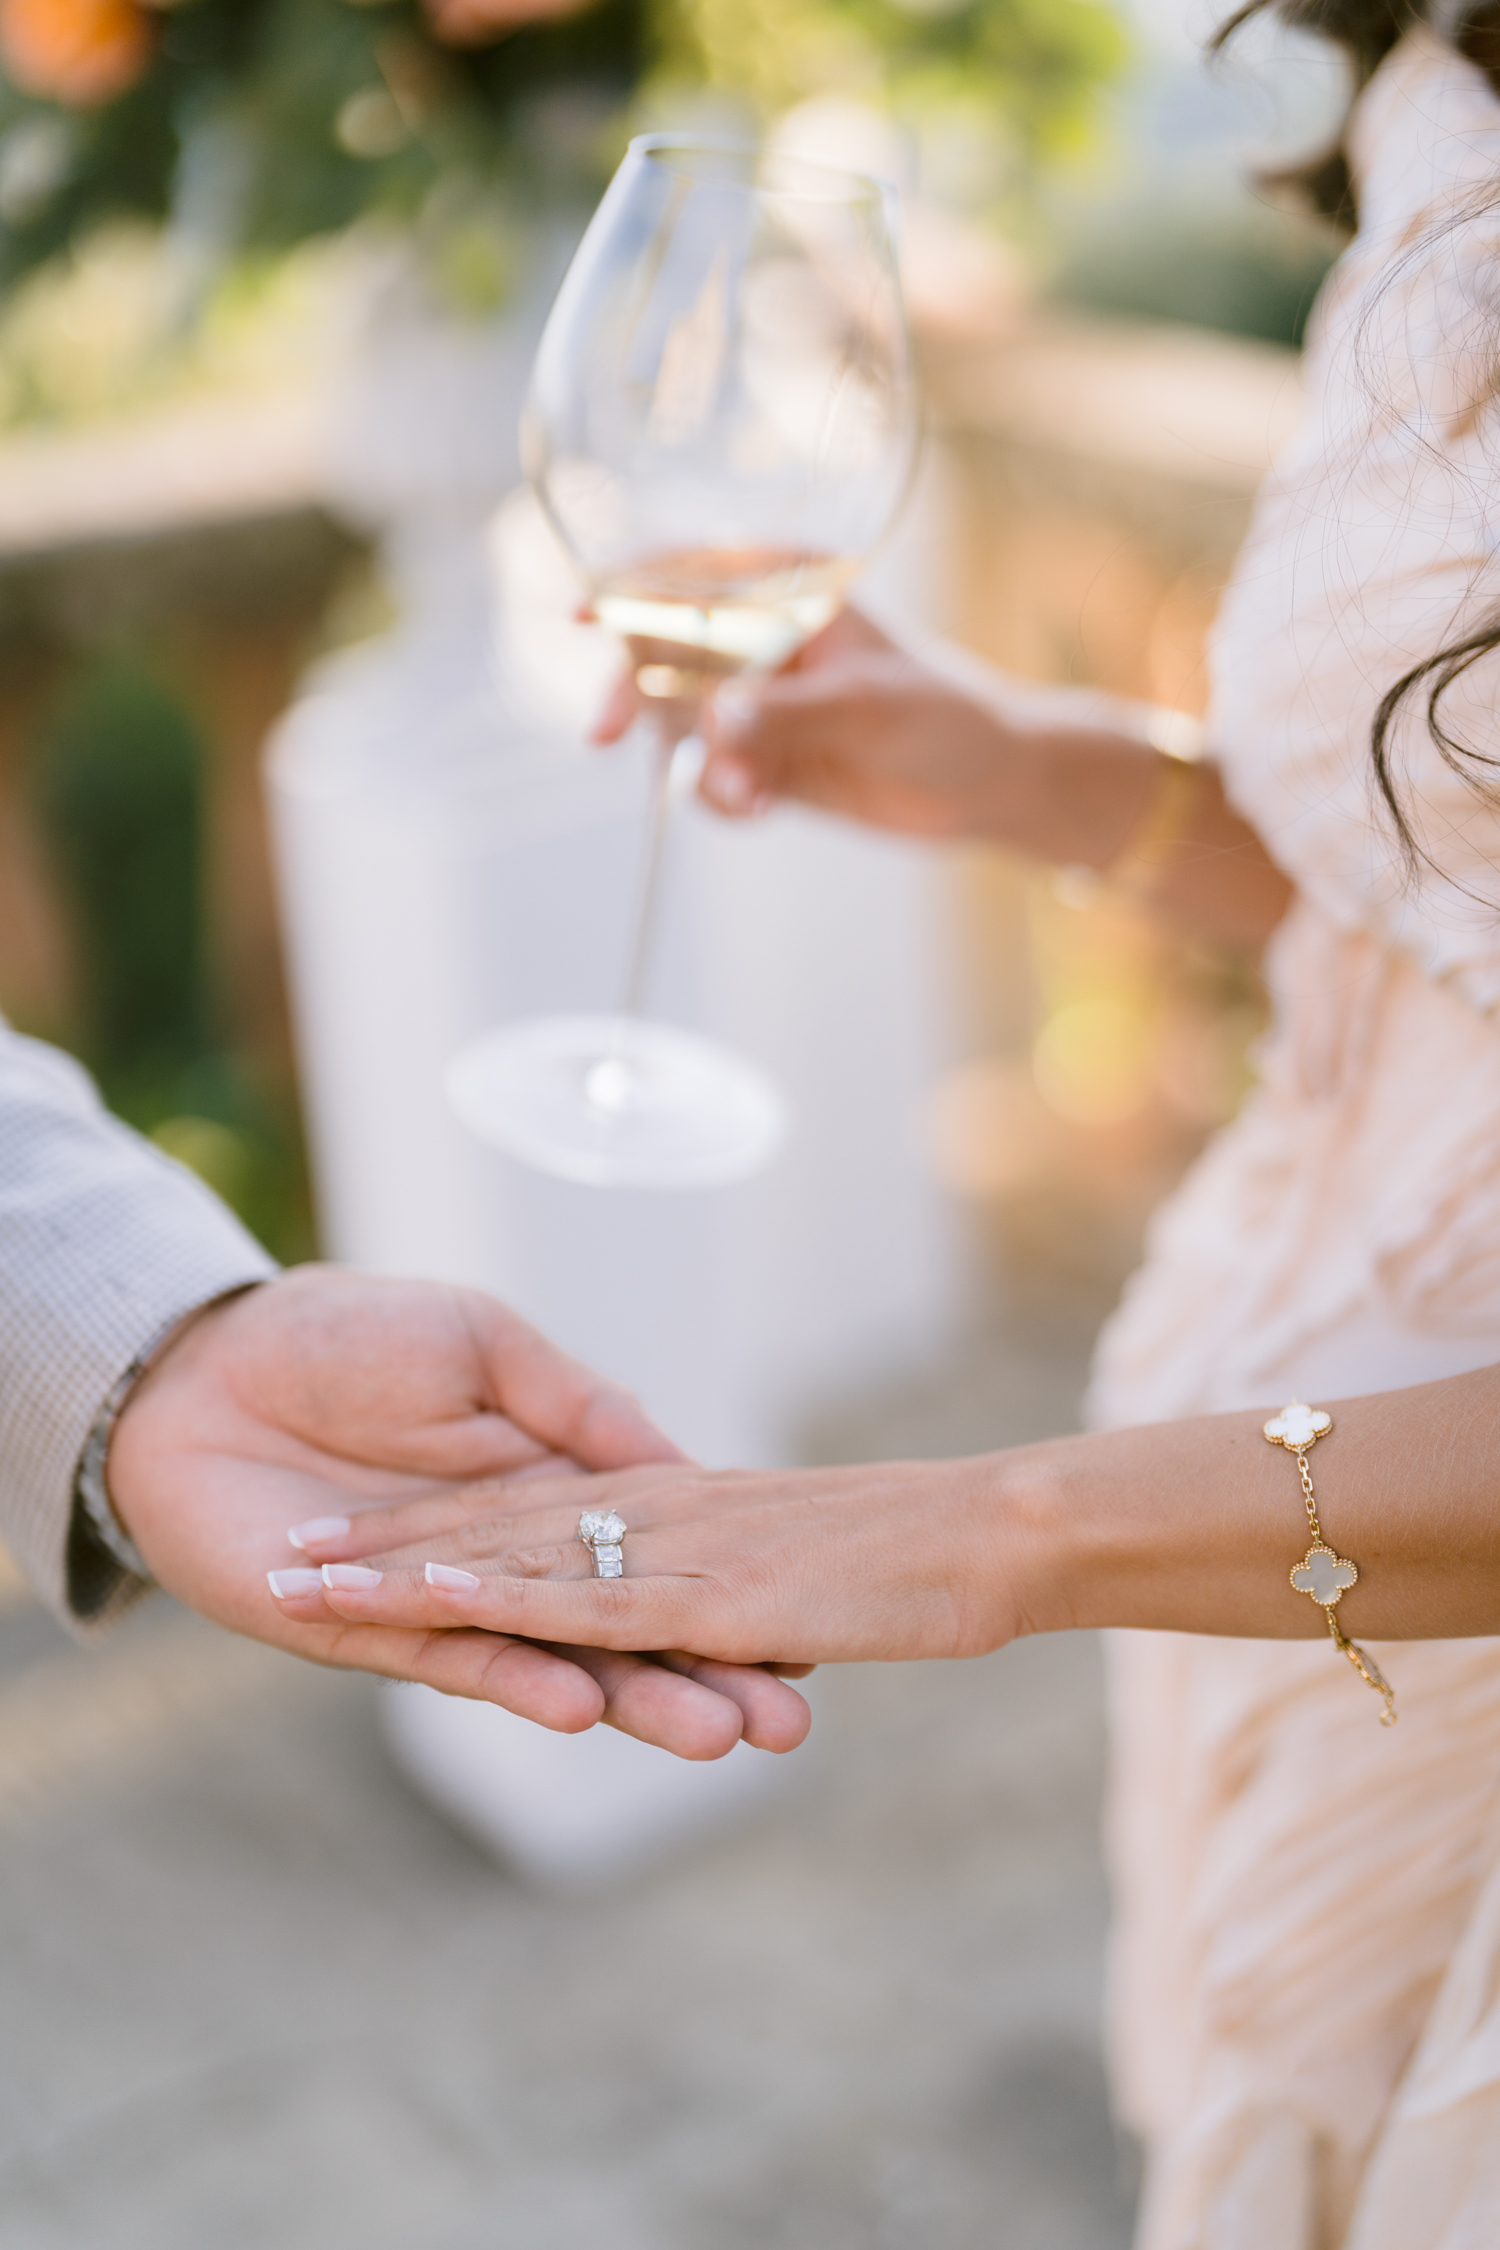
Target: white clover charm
[[1324, 1575], [1298, 1425]]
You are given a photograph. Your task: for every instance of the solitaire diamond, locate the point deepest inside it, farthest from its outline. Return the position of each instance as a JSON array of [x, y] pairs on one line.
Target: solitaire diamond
[[604, 1530]]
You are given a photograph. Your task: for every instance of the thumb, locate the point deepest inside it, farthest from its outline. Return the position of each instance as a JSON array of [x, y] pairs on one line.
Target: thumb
[[554, 1399], [733, 779], [618, 711], [616, 1432], [758, 736]]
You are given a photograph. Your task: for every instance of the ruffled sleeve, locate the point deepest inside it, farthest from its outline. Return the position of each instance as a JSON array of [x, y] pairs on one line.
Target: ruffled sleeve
[[1376, 543]]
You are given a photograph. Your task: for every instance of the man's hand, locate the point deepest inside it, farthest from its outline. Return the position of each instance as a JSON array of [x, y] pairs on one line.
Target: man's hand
[[323, 1394]]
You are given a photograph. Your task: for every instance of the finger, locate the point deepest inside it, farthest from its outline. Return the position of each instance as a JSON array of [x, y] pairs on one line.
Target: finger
[[743, 761], [734, 787], [771, 738], [775, 1717], [451, 1522], [642, 1614], [617, 713], [851, 633], [416, 1595], [300, 1594], [693, 1709], [535, 1683], [621, 1613], [655, 1704], [556, 1399]]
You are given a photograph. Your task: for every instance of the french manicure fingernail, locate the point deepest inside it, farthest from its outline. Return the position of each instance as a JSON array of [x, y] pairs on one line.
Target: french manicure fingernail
[[349, 1577], [734, 706], [285, 1583], [456, 1581], [318, 1531], [729, 783]]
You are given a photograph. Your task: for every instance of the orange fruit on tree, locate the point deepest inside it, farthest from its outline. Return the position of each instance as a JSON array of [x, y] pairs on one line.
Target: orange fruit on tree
[[472, 23], [82, 52]]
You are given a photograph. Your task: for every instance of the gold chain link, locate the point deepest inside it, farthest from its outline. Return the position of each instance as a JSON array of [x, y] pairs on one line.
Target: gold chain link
[[1365, 1665], [1307, 1493]]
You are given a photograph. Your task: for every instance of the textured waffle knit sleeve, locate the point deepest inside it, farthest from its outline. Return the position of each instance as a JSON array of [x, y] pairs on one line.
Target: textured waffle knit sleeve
[[104, 1244]]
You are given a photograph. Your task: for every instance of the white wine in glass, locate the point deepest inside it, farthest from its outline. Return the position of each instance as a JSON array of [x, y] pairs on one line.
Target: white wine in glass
[[721, 426]]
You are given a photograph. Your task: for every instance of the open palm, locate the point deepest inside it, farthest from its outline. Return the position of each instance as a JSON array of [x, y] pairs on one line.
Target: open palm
[[325, 1393]]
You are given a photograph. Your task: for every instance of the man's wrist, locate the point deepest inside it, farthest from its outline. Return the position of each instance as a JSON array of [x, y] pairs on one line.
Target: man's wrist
[[91, 1481], [90, 1485]]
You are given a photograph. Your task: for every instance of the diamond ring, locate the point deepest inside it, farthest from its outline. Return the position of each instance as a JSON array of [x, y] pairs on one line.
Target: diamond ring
[[602, 1534]]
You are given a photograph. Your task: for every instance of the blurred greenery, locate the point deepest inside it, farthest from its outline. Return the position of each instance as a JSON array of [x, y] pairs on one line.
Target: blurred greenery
[[1033, 66], [258, 123], [118, 783], [93, 335]]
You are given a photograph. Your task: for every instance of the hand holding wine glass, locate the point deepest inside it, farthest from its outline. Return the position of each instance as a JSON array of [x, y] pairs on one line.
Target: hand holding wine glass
[[859, 726], [720, 428]]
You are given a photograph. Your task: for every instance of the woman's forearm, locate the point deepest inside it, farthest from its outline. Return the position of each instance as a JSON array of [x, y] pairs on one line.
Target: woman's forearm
[[942, 745], [1079, 795], [1189, 1527], [1195, 1526]]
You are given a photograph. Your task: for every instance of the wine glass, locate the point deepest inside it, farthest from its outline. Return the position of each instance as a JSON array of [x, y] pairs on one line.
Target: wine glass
[[721, 425]]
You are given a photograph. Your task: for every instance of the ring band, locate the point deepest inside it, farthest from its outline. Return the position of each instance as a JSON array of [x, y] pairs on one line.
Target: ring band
[[602, 1535]]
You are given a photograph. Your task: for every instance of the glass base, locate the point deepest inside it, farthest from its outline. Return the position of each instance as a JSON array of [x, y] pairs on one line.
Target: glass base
[[611, 1101]]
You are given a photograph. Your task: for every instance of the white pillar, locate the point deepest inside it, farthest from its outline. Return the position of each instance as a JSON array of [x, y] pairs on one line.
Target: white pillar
[[449, 859]]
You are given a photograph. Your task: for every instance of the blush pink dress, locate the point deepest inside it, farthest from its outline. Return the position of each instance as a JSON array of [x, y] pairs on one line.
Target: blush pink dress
[[1306, 1977]]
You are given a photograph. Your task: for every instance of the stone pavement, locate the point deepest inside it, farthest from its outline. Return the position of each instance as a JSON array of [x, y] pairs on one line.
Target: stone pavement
[[256, 1996]]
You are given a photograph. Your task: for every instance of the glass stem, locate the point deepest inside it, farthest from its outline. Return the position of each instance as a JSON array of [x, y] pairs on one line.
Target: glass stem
[[609, 1083], [648, 886]]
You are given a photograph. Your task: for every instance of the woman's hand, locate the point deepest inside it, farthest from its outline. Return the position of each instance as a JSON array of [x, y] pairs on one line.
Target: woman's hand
[[909, 1559], [320, 1399], [1174, 1527], [855, 726]]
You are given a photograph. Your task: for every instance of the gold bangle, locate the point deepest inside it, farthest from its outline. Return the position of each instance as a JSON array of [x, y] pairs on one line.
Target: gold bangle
[[1323, 1575], [1151, 845], [1133, 873]]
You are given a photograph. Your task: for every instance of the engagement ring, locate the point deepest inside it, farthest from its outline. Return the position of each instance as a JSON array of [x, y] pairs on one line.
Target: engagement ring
[[602, 1534]]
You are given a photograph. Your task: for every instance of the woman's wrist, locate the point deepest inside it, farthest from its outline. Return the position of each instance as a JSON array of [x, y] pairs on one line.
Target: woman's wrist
[[1087, 793], [1186, 1527], [1047, 783], [1042, 1555], [995, 1534]]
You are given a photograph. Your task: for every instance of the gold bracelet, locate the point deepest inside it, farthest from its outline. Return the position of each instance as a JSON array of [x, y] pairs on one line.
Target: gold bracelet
[[1151, 847], [1322, 1574], [1131, 877]]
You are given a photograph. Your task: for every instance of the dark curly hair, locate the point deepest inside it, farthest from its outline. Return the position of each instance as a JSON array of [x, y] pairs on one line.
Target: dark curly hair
[[1367, 30]]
